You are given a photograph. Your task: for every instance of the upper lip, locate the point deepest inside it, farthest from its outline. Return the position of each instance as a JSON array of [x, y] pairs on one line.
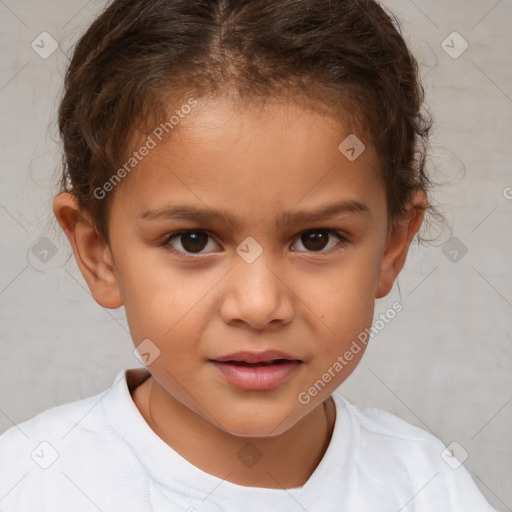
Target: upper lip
[[256, 357]]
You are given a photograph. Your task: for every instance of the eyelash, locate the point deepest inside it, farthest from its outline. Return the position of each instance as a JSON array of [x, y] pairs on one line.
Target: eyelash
[[343, 241]]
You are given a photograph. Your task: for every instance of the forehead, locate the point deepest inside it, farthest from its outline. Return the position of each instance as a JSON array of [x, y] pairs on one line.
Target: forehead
[[253, 159]]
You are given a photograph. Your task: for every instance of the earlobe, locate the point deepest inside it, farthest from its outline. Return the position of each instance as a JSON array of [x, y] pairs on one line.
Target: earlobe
[[92, 253], [398, 243]]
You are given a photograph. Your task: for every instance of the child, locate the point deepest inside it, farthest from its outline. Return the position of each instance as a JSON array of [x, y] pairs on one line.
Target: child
[[287, 137]]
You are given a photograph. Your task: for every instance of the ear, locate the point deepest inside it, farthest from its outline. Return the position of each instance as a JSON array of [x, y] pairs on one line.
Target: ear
[[399, 241], [92, 253]]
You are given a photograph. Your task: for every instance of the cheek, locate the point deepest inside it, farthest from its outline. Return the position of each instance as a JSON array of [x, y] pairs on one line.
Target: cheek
[[344, 304], [344, 342], [345, 297], [149, 294], [164, 304], [167, 305]]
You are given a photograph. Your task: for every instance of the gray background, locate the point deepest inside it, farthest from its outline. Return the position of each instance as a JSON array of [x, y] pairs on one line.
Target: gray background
[[444, 364]]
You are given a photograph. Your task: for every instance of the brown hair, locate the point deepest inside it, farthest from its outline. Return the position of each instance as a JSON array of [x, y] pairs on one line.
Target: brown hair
[[141, 58]]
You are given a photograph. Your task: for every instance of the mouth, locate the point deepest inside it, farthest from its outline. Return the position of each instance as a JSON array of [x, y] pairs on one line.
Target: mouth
[[267, 357], [255, 365], [252, 371]]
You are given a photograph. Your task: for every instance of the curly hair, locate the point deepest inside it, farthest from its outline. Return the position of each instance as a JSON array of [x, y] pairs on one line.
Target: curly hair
[[140, 58]]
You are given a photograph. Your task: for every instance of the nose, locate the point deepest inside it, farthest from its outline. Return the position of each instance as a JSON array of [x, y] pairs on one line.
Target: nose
[[256, 296]]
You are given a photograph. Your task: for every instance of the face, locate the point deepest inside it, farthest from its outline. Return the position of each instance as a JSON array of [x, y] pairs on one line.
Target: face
[[270, 275]]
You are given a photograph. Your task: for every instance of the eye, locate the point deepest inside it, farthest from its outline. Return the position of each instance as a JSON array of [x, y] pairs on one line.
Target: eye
[[194, 242], [316, 239], [191, 241]]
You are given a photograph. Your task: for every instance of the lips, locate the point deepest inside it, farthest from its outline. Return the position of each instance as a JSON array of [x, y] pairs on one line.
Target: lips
[[256, 371], [263, 358], [267, 363]]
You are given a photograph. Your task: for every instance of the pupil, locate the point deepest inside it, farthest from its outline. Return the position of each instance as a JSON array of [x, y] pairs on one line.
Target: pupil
[[313, 240], [194, 241], [318, 239]]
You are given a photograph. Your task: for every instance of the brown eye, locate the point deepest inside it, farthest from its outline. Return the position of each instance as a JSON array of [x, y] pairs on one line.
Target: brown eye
[[316, 240], [192, 242]]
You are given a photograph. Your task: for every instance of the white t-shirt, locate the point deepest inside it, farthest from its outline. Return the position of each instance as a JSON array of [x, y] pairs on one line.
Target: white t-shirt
[[99, 454]]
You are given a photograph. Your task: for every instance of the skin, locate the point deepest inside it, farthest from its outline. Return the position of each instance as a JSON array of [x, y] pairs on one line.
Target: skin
[[311, 301]]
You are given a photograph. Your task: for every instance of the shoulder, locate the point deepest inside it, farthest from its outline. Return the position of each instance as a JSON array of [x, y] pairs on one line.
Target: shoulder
[[69, 422], [53, 420], [389, 441], [386, 429], [375, 422], [39, 440], [50, 450], [401, 457]]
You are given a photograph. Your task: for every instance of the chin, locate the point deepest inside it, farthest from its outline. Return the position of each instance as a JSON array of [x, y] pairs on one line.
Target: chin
[[257, 427]]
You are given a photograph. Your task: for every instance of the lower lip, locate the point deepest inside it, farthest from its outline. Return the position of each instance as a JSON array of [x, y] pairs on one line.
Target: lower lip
[[256, 378]]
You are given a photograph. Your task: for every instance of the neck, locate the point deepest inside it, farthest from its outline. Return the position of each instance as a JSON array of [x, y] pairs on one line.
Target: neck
[[283, 461]]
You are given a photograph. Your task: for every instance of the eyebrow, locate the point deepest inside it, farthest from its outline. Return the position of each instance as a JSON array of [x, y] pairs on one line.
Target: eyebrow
[[204, 215]]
